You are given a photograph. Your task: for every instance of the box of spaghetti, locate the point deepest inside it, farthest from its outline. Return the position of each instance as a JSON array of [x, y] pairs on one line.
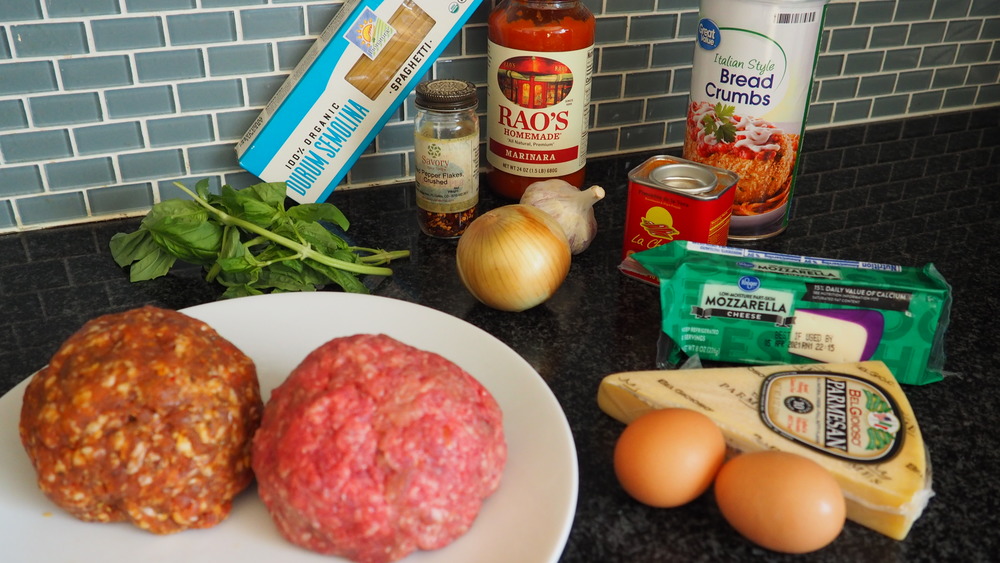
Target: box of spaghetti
[[748, 306], [348, 84]]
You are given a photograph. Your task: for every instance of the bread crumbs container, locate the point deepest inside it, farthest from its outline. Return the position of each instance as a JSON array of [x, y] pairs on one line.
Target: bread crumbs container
[[750, 87], [670, 198]]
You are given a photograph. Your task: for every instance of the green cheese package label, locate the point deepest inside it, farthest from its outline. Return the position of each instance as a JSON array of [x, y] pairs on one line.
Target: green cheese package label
[[746, 306]]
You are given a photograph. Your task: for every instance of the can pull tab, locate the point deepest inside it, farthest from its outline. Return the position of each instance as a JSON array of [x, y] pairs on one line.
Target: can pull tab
[[685, 177]]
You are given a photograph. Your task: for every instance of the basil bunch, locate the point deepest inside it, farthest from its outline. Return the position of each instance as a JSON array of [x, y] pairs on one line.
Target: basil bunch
[[249, 242]]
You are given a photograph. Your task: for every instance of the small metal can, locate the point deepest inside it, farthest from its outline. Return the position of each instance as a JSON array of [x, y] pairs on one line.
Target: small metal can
[[671, 198]]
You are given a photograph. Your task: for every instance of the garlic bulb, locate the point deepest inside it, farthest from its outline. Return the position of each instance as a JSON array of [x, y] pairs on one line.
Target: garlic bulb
[[573, 209], [513, 257]]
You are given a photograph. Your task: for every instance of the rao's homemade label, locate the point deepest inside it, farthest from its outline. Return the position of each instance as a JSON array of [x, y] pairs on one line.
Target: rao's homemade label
[[750, 87], [538, 122]]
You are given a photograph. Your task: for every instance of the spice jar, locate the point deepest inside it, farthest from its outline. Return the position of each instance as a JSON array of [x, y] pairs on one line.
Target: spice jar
[[540, 59], [446, 153]]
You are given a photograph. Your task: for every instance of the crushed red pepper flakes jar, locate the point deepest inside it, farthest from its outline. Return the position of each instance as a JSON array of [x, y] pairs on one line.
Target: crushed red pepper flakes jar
[[446, 153]]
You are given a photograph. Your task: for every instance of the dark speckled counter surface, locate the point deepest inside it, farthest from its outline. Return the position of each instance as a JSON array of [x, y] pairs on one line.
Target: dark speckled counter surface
[[926, 189]]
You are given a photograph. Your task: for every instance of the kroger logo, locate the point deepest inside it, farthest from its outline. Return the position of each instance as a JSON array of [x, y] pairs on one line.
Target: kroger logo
[[749, 283], [709, 36]]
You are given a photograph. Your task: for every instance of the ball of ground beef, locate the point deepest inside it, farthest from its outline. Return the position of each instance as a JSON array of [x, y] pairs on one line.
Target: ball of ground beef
[[145, 417], [372, 449]]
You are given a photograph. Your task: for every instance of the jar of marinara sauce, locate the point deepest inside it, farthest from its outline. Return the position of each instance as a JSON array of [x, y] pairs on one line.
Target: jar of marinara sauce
[[541, 58]]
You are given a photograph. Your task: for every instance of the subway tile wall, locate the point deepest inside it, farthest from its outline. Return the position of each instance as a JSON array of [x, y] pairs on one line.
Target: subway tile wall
[[105, 103]]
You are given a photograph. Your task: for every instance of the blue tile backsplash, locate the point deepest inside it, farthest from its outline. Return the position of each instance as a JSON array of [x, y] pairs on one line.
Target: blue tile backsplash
[[123, 34], [105, 103], [39, 40]]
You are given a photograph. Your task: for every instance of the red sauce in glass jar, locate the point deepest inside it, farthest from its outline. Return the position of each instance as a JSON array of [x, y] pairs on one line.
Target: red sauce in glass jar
[[538, 99]]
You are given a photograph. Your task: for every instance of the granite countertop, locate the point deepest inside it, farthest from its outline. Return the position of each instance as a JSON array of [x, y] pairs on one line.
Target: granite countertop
[[903, 192]]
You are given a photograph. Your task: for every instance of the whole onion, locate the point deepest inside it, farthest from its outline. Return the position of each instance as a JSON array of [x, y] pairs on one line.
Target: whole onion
[[513, 257]]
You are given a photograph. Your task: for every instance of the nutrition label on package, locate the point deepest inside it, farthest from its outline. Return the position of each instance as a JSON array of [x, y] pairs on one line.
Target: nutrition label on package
[[868, 297]]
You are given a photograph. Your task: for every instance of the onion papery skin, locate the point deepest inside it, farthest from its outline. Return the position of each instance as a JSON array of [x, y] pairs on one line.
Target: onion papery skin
[[513, 258]]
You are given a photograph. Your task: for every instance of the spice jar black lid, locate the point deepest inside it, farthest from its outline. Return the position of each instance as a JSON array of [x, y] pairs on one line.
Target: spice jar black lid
[[446, 94]]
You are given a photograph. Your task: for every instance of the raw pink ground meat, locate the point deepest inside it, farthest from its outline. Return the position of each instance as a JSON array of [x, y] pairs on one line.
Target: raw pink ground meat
[[372, 449]]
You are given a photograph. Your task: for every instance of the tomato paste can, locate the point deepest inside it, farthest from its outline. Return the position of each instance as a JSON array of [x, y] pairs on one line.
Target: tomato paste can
[[670, 198], [751, 81]]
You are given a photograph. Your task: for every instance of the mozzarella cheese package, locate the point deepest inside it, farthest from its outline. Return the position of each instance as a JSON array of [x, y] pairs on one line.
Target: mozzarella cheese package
[[344, 90], [746, 306], [851, 418]]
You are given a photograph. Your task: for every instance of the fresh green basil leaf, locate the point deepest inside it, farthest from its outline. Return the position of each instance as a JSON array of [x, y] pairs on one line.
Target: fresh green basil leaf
[[287, 229], [280, 276], [201, 188], [238, 277], [272, 193], [183, 229], [288, 267], [319, 237], [198, 246], [260, 213], [231, 243], [273, 253], [345, 255], [240, 291], [175, 211], [152, 265], [129, 247], [315, 212], [238, 264], [247, 205], [345, 280]]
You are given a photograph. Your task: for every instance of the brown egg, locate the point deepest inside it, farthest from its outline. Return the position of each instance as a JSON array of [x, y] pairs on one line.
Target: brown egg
[[781, 501], [669, 457]]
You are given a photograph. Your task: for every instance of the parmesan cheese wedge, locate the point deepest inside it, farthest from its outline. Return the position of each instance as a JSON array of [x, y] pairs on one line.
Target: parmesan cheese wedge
[[851, 418]]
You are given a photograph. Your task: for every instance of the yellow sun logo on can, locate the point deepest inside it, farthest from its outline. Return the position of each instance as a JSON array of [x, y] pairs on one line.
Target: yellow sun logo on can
[[659, 223]]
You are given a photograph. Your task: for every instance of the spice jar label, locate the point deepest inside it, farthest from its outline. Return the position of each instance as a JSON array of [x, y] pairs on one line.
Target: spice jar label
[[447, 179]]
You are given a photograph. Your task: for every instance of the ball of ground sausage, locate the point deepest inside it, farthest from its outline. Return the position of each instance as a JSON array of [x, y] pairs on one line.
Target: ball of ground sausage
[[372, 449], [145, 417]]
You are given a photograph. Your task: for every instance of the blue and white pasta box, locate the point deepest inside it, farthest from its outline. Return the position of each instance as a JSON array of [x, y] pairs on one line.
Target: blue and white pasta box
[[348, 84]]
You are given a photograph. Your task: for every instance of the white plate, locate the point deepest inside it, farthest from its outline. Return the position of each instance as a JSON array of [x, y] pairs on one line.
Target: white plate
[[527, 520]]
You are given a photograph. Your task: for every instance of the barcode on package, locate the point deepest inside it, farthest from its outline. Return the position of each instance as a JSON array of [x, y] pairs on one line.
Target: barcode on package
[[798, 17]]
